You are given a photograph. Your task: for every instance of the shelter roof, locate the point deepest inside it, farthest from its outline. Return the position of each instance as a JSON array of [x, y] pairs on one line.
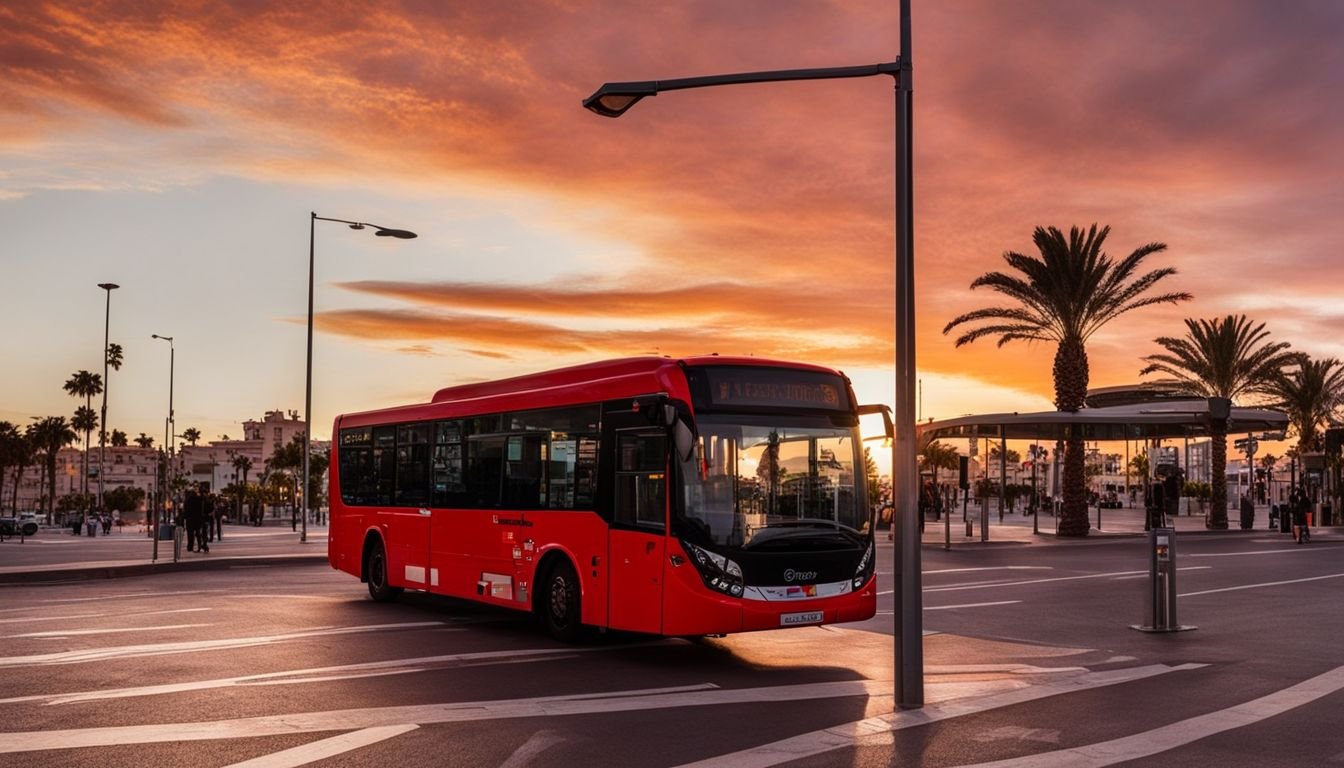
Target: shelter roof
[[1168, 418]]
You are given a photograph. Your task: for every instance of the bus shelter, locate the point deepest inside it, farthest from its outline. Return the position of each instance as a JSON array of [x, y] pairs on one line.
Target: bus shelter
[[1138, 421]]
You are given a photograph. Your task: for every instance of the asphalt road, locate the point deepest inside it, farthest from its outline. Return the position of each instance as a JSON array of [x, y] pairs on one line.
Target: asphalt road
[[1031, 661]]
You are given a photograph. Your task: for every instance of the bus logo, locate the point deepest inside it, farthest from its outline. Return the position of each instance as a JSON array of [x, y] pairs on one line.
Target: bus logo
[[791, 575]]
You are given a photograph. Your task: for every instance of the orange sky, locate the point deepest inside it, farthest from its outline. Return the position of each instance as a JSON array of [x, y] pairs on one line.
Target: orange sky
[[752, 220]]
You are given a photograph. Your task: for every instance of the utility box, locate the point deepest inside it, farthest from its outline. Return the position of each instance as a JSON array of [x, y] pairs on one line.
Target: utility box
[[1160, 600]]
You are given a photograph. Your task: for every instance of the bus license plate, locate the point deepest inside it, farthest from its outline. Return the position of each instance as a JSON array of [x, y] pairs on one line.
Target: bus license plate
[[794, 619]]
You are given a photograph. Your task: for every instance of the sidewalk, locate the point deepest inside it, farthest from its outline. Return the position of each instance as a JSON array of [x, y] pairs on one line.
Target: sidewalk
[[54, 555], [1016, 528]]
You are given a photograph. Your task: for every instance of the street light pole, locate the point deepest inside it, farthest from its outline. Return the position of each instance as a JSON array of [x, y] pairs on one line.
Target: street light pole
[[167, 442], [613, 99], [402, 234], [102, 419]]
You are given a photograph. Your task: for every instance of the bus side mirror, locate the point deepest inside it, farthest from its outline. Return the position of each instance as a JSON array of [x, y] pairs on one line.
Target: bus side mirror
[[683, 439]]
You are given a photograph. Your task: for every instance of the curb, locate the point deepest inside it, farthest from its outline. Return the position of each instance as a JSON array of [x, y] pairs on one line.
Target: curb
[[74, 573]]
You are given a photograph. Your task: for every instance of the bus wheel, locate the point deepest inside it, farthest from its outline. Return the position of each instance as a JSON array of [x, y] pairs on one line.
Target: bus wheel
[[377, 572], [561, 611]]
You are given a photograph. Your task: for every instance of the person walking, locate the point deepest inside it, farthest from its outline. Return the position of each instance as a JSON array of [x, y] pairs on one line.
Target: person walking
[[1301, 525], [217, 517], [1247, 512], [193, 518]]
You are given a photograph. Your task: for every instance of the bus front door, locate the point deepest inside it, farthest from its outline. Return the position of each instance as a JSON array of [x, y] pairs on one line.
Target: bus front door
[[637, 543]]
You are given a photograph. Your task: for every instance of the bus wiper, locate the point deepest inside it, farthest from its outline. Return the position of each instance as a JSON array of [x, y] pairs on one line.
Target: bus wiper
[[793, 530], [819, 521]]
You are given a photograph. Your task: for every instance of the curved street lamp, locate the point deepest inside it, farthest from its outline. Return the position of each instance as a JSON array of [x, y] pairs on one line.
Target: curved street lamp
[[614, 99], [400, 234]]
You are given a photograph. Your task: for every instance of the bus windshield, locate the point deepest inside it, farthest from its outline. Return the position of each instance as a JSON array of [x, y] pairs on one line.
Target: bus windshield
[[764, 483]]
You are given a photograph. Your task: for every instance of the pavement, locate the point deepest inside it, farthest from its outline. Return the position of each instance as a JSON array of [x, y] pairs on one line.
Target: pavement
[[54, 555], [1020, 529]]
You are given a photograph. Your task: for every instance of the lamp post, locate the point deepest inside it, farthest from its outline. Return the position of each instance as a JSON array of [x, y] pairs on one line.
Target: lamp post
[[402, 234], [102, 419], [167, 442], [613, 99]]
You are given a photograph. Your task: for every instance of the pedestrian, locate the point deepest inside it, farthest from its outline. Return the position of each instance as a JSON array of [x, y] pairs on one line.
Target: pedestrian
[[193, 518], [91, 523], [1301, 523], [1247, 511], [218, 517]]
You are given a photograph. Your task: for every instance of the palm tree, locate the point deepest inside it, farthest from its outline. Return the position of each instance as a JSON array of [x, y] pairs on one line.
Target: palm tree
[[86, 385], [85, 420], [1311, 395], [191, 435], [21, 454], [1065, 296], [9, 438], [1225, 357], [50, 436], [938, 456], [243, 465], [119, 439], [144, 441]]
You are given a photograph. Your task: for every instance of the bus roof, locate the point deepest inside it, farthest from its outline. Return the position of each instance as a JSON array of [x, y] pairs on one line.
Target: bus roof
[[606, 369], [528, 390]]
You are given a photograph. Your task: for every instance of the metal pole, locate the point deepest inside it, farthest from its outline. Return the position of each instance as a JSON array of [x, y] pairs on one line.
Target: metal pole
[[102, 420], [308, 377], [1003, 470], [910, 615]]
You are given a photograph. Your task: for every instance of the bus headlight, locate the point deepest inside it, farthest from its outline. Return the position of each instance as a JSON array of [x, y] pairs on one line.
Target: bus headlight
[[718, 572], [865, 569]]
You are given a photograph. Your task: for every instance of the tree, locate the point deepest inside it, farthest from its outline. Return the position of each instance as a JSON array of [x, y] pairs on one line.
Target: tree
[[124, 499], [870, 474], [50, 435], [287, 458], [1064, 297], [1225, 357], [20, 453], [144, 441], [119, 439], [938, 456], [191, 435], [85, 420], [1311, 395], [10, 438], [86, 385]]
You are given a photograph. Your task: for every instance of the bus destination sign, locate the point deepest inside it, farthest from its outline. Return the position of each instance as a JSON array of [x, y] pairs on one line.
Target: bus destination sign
[[774, 388]]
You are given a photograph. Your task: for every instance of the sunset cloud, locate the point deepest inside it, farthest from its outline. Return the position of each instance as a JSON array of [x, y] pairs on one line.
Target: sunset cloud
[[761, 217]]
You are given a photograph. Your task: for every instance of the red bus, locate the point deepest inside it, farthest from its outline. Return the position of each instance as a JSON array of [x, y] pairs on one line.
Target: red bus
[[695, 496]]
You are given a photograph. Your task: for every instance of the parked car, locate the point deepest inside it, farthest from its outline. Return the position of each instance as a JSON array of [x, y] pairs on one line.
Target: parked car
[[14, 525]]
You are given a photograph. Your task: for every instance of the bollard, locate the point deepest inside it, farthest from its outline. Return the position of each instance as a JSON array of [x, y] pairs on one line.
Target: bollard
[[1160, 601]]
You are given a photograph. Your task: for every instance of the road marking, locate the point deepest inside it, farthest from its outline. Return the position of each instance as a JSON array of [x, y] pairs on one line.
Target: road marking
[[1178, 734], [968, 605], [877, 731], [321, 750], [990, 584], [608, 702], [322, 674], [61, 633], [1292, 550], [1146, 574], [160, 649], [54, 618], [539, 742], [1257, 586]]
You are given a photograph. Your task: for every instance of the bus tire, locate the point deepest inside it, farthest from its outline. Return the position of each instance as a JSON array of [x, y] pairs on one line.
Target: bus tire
[[561, 609], [376, 572]]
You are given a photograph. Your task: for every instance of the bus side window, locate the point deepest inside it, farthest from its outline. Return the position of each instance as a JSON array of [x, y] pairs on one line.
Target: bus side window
[[641, 463]]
